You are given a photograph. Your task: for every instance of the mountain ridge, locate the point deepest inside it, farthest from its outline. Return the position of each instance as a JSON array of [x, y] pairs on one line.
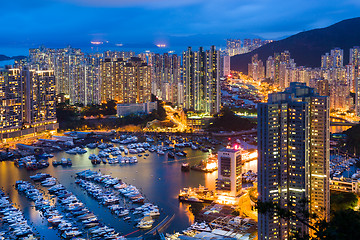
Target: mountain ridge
[[307, 47], [6, 58]]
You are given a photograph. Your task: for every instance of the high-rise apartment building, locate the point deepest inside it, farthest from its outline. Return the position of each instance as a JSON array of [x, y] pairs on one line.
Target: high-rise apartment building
[[277, 69], [354, 67], [270, 71], [166, 77], [233, 46], [112, 78], [39, 97], [11, 118], [354, 55], [236, 46], [76, 76], [247, 42], [70, 74], [321, 86], [125, 81], [256, 68], [340, 96], [226, 66], [92, 79], [357, 96], [293, 162], [62, 69], [201, 78], [41, 58], [257, 42], [333, 60], [338, 57], [28, 102], [277, 61], [229, 171]]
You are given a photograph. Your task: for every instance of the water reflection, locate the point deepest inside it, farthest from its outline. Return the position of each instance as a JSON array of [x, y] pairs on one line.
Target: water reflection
[[186, 208], [210, 180]]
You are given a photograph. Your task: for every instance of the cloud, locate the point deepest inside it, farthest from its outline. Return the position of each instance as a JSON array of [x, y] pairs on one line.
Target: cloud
[[134, 3], [138, 21]]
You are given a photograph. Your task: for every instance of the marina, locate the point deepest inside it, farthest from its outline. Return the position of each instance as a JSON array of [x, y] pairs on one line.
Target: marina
[[157, 177], [129, 184]]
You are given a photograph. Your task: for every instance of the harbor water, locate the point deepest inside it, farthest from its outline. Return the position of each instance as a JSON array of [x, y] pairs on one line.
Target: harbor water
[[159, 179]]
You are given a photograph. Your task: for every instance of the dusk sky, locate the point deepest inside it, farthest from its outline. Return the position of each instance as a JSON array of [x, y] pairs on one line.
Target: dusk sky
[[28, 23]]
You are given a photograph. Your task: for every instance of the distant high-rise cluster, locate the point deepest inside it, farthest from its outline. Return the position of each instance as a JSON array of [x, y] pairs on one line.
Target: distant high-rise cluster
[[201, 78], [28, 102], [236, 46], [77, 74], [277, 67], [293, 163], [333, 79], [333, 60], [190, 81]]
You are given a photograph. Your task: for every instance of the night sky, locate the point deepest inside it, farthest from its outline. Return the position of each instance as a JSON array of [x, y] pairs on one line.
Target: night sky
[[28, 23]]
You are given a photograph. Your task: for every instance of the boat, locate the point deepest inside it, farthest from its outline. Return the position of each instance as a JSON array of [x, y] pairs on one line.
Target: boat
[[56, 162], [96, 161], [71, 151], [200, 194], [185, 167], [160, 152], [71, 234], [152, 212], [69, 162], [123, 213], [39, 176], [64, 161], [145, 223], [92, 156], [49, 182], [132, 151], [171, 155], [91, 145]]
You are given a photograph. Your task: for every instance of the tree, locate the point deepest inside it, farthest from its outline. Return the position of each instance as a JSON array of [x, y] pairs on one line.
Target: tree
[[343, 225], [343, 201], [161, 111], [227, 120], [92, 110], [109, 108], [353, 139], [65, 112]]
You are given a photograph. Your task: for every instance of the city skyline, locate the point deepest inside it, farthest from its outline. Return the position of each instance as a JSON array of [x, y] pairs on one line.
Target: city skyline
[[147, 23], [255, 102]]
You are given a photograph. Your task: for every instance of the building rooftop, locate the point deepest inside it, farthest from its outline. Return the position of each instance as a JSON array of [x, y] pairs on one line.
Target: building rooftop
[[232, 150]]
